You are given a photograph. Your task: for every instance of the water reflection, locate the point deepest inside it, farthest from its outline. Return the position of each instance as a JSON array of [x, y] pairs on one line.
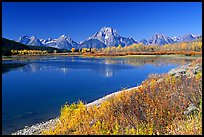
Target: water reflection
[[157, 61], [41, 85], [105, 70], [105, 67], [11, 66]]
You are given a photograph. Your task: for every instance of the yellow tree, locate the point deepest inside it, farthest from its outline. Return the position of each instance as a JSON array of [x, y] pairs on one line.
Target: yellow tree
[[113, 49], [73, 49], [119, 48], [93, 50], [83, 50], [107, 50]]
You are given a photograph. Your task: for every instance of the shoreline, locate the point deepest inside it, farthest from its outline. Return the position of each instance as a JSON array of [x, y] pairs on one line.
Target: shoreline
[[38, 127], [104, 55], [8, 58]]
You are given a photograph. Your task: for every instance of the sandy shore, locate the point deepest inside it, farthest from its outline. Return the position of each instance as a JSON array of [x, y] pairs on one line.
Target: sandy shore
[[37, 128]]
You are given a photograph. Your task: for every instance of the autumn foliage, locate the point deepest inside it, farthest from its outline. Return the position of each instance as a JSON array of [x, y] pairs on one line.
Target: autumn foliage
[[194, 46], [184, 48], [156, 107], [28, 52]]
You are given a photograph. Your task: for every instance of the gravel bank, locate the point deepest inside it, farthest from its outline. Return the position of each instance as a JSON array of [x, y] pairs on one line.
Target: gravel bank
[[37, 128]]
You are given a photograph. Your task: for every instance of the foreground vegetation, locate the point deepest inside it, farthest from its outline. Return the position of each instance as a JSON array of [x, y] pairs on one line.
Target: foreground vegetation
[[158, 106]]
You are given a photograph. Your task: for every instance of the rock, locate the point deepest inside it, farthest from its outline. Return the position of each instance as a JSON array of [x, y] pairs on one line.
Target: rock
[[92, 122], [192, 108], [196, 69], [188, 71], [159, 80], [172, 72], [177, 72], [36, 129]]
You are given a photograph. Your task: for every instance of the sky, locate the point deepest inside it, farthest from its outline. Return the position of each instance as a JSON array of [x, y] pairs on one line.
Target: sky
[[80, 20]]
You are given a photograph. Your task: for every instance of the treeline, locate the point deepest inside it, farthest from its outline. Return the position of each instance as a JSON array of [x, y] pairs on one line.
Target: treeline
[[29, 52], [9, 47], [194, 46]]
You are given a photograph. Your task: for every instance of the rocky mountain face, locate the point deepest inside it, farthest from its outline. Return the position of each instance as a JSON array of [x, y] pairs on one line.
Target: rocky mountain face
[[187, 37], [110, 37], [160, 39], [144, 41], [92, 43], [105, 37], [63, 42], [33, 41]]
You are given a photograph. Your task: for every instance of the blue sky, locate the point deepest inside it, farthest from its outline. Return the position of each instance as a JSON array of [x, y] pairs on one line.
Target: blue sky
[[79, 20]]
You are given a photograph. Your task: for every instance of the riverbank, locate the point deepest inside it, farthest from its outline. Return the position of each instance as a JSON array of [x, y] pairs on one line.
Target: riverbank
[[28, 57], [100, 54], [119, 54], [37, 128]]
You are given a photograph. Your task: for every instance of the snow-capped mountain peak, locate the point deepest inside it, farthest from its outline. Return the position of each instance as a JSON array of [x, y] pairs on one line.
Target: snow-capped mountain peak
[[105, 37], [24, 40], [110, 37], [33, 37], [108, 31], [33, 41], [63, 36], [187, 37], [160, 39]]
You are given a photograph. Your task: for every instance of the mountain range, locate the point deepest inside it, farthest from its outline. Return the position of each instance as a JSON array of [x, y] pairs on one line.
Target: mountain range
[[105, 37]]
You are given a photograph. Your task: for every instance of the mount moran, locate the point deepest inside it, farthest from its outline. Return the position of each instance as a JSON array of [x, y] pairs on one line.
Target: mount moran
[[104, 38]]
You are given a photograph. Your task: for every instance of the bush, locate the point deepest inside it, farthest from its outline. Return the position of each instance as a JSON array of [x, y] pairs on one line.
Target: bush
[[155, 107]]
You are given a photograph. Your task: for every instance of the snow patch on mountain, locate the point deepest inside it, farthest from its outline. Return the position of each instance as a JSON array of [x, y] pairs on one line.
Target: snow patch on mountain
[[160, 39], [110, 37]]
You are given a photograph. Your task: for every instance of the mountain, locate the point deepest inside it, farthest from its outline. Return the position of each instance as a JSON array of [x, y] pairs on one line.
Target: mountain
[[196, 35], [160, 39], [63, 42], [105, 37], [187, 37], [8, 45], [110, 37], [176, 39], [33, 41], [92, 43], [24, 40], [144, 41]]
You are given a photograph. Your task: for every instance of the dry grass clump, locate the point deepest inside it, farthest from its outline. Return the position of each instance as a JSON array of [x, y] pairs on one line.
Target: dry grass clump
[[157, 107]]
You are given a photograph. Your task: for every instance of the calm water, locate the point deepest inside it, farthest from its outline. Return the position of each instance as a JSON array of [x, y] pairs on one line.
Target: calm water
[[34, 90]]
